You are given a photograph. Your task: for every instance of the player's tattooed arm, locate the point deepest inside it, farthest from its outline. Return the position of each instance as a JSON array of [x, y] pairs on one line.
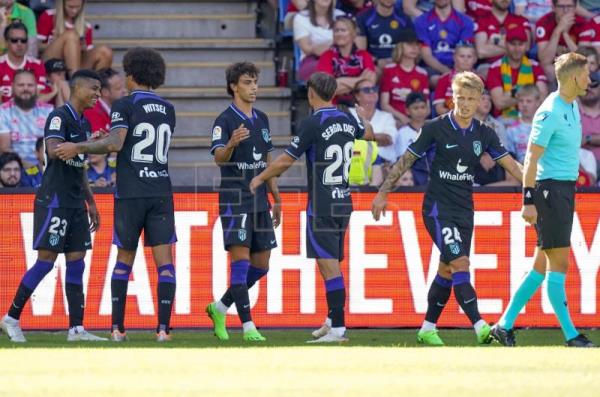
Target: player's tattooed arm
[[400, 167], [111, 143], [512, 166], [91, 203]]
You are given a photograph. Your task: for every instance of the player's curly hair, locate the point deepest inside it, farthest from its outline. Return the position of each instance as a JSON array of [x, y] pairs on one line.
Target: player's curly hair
[[146, 66], [237, 70]]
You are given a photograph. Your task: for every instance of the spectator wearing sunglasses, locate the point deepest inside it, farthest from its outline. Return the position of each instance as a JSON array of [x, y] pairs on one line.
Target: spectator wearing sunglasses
[[16, 58], [11, 11], [345, 61], [403, 77], [366, 95], [465, 57]]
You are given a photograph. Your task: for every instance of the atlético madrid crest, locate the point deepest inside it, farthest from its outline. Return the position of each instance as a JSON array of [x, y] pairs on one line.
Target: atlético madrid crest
[[477, 147], [242, 234], [265, 134]]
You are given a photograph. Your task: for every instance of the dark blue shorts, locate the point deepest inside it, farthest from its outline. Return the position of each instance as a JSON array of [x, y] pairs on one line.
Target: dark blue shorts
[[325, 236], [451, 235], [253, 230], [61, 229]]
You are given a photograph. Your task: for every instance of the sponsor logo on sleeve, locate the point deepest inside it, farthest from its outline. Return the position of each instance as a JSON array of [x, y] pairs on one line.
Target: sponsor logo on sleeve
[[116, 116], [216, 134], [55, 123]]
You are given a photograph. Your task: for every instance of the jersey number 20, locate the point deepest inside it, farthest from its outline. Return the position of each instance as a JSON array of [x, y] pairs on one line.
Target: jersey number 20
[[162, 136], [339, 156]]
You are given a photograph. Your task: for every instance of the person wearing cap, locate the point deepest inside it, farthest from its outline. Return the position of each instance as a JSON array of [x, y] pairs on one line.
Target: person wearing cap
[[403, 77], [16, 37], [490, 37], [57, 85], [511, 72], [589, 107], [439, 30], [22, 119]]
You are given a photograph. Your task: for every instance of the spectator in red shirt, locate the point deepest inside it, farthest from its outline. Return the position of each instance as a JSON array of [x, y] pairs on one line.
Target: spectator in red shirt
[[112, 88], [15, 35], [490, 37], [403, 77], [293, 7], [511, 72], [345, 61], [558, 32], [56, 80], [478, 9], [64, 33], [465, 58]]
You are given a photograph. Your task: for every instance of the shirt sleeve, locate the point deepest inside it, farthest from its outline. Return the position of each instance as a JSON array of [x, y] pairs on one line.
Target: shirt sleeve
[[468, 30], [494, 78], [542, 129], [301, 27], [4, 122], [385, 82], [361, 24], [28, 18], [44, 27], [542, 31], [301, 142], [220, 134], [495, 148], [423, 141], [89, 42], [368, 61], [325, 64], [119, 115], [56, 127], [388, 125]]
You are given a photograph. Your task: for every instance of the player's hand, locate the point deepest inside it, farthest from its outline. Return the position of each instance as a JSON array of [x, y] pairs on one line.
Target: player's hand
[[240, 134], [276, 214], [66, 151], [255, 184], [94, 217], [379, 205], [529, 214]]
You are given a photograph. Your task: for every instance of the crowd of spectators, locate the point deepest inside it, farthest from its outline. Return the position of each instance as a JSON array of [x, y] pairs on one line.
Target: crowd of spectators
[[38, 54], [408, 51]]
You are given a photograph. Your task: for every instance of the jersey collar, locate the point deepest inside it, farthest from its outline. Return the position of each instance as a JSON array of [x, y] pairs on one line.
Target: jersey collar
[[455, 125], [242, 115], [72, 110]]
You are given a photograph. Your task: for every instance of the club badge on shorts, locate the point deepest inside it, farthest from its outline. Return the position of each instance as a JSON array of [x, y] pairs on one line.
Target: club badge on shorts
[[242, 234]]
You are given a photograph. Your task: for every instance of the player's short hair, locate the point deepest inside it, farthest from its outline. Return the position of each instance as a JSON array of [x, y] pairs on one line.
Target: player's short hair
[[529, 90], [555, 2], [566, 64], [415, 97], [105, 75], [237, 70], [15, 25], [468, 80], [83, 74], [9, 157], [323, 84], [23, 71], [146, 66]]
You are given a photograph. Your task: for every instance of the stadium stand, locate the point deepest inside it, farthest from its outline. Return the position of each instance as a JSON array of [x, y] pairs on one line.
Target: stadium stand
[[198, 40]]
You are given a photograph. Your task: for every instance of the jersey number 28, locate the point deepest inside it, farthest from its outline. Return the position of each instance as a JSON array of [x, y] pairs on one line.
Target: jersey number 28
[[341, 157]]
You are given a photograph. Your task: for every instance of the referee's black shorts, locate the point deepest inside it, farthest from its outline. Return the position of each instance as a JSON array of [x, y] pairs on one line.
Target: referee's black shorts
[[555, 204]]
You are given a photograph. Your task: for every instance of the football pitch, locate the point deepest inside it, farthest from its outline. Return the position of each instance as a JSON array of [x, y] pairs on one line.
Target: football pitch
[[373, 363]]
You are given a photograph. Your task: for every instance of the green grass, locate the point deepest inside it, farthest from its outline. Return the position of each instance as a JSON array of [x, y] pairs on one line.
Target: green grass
[[374, 363], [289, 337]]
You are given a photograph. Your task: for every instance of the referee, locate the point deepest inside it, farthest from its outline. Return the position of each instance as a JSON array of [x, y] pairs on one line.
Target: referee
[[550, 170]]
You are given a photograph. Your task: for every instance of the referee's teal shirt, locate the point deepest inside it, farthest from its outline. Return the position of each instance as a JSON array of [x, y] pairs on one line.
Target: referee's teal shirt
[[557, 128]]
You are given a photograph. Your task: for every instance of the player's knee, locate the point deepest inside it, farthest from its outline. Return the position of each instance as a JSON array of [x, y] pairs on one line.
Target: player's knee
[[121, 271], [166, 274], [74, 273], [460, 264]]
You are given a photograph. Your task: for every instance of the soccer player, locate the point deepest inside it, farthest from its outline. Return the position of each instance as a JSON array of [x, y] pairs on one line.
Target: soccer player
[[459, 141], [141, 127], [60, 216], [327, 138], [241, 145], [550, 172]]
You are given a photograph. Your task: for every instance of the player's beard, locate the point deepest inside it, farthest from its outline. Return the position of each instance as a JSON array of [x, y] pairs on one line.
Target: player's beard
[[26, 103]]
